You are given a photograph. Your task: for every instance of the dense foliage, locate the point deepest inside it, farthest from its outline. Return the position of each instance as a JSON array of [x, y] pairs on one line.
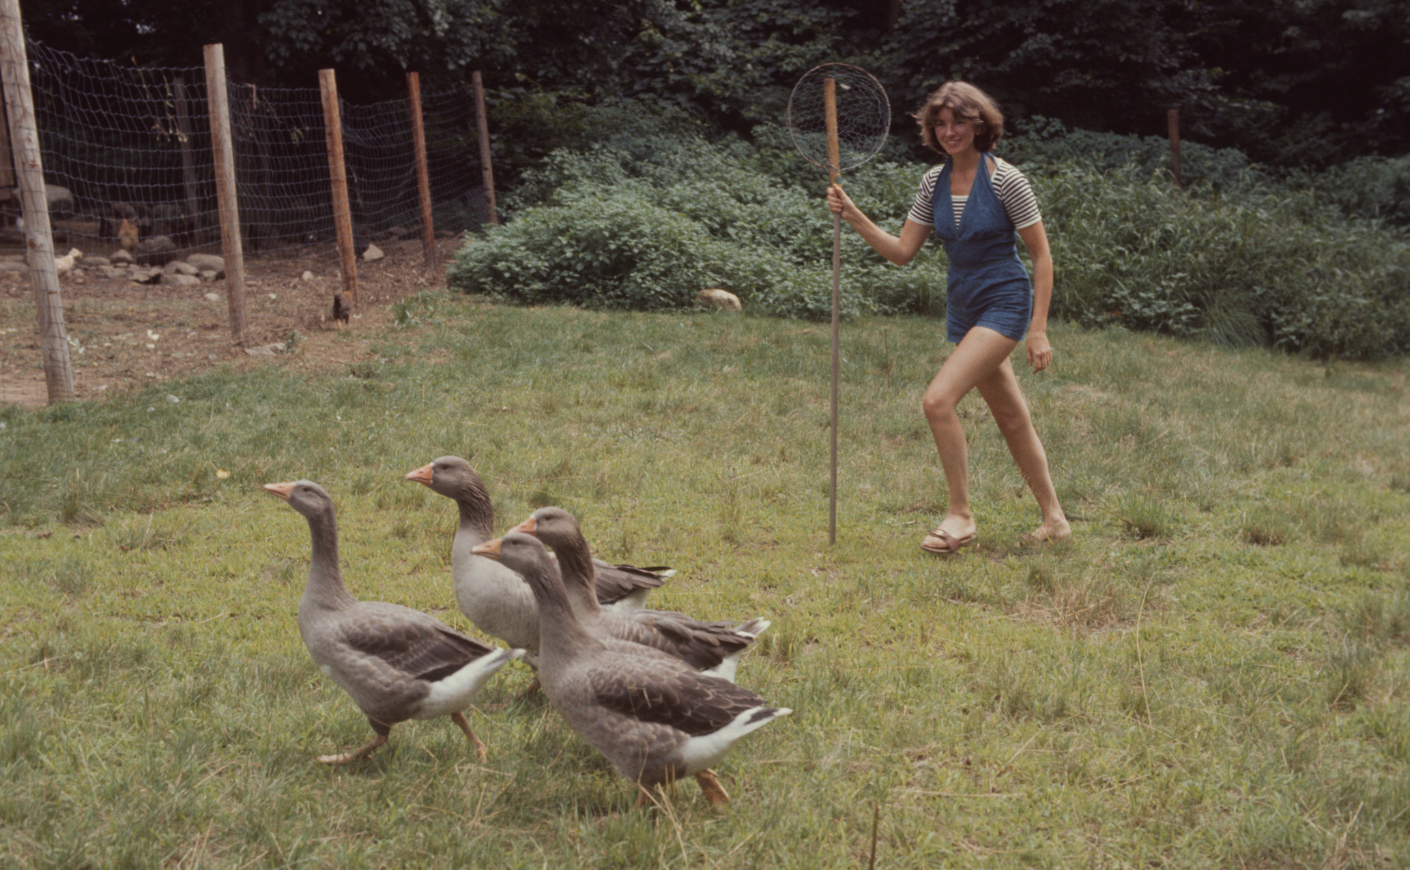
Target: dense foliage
[[1289, 82], [653, 213]]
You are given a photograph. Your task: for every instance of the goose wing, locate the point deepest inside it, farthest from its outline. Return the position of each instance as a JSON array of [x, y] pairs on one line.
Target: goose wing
[[690, 702], [411, 642]]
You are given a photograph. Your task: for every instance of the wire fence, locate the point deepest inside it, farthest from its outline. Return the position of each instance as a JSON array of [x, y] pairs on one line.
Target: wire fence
[[127, 160], [128, 173]]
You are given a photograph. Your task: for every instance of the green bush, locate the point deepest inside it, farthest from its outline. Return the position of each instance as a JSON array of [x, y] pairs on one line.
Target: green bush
[[1282, 270], [1045, 145], [647, 222], [1369, 187]]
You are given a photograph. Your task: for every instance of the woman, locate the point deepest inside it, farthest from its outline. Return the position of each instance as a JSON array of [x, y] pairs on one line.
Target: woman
[[973, 203]]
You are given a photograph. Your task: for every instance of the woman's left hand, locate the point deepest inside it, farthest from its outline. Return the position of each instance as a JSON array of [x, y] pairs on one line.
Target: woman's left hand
[[1040, 353]]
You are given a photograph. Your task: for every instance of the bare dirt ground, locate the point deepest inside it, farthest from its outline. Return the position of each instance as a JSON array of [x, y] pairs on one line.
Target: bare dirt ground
[[123, 335]]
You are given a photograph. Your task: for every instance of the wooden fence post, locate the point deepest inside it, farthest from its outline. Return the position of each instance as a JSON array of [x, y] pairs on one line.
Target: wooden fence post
[[223, 156], [34, 202], [1172, 121], [486, 169], [423, 177], [342, 215]]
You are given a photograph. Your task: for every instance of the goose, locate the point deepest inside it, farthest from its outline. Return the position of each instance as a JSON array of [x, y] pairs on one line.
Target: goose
[[654, 717], [397, 663], [710, 647], [490, 595]]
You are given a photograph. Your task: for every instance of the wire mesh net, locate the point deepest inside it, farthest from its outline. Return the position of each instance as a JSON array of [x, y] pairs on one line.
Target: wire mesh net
[[127, 165], [127, 159], [863, 115]]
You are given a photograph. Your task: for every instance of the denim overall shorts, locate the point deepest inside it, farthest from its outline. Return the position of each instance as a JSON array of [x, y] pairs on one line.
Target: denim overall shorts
[[986, 283]]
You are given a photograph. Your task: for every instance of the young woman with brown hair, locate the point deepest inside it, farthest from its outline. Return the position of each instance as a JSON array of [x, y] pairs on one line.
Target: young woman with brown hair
[[974, 203]]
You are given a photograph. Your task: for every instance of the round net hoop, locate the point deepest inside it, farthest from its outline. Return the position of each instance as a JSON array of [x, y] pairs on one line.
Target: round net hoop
[[863, 115]]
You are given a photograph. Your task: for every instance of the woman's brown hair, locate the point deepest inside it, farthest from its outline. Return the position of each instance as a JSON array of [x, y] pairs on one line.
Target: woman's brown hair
[[965, 101]]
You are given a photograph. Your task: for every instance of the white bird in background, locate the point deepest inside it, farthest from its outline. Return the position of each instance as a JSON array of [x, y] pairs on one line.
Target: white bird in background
[[63, 265]]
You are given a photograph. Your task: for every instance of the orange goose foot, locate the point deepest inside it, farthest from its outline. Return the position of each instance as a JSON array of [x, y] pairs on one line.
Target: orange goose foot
[[710, 786], [359, 753], [459, 719]]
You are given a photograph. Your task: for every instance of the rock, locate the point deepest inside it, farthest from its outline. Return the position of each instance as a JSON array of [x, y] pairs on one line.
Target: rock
[[60, 200], [149, 275], [127, 235], [265, 350], [96, 262], [114, 273], [179, 280], [306, 276], [156, 251], [10, 264], [719, 300], [180, 267], [207, 262], [373, 253], [212, 297], [121, 256], [208, 275]]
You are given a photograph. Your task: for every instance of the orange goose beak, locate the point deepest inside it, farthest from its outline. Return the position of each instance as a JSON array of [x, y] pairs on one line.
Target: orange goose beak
[[422, 474], [527, 526], [283, 490], [489, 549]]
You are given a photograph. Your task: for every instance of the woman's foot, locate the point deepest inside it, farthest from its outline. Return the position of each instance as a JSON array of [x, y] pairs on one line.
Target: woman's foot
[[953, 534], [1048, 533]]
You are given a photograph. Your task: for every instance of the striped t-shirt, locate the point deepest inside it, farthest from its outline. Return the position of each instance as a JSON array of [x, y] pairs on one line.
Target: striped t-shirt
[[1009, 184]]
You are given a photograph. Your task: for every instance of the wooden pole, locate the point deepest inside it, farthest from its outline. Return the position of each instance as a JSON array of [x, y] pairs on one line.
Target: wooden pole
[[486, 169], [34, 202], [1172, 121], [223, 156], [834, 163], [342, 215], [423, 176], [188, 158]]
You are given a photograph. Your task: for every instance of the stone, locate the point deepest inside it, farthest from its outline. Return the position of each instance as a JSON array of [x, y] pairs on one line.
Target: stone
[[122, 256], [10, 264], [96, 262], [60, 200], [156, 251], [180, 280], [208, 275], [306, 276], [179, 267], [718, 300], [373, 253], [207, 262], [212, 297]]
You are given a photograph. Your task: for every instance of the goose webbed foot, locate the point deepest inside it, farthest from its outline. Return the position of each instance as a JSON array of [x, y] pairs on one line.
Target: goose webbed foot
[[459, 719], [710, 786], [359, 753]]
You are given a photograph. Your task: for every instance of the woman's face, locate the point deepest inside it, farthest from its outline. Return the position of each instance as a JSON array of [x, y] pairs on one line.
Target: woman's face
[[955, 135]]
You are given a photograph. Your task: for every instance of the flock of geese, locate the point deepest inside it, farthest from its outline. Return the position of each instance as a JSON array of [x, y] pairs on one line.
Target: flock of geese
[[653, 691]]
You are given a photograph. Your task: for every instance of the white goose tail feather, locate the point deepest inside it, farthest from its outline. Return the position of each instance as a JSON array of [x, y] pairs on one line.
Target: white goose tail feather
[[708, 750]]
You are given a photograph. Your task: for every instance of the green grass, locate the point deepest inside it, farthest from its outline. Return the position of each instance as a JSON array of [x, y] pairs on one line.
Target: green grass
[[1214, 671]]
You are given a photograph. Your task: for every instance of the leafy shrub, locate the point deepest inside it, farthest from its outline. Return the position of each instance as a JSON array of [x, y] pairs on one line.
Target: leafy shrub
[[1282, 270], [1369, 187], [1045, 145], [648, 224]]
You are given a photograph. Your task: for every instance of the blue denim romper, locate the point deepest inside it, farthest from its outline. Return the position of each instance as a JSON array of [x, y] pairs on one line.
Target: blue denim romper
[[986, 283]]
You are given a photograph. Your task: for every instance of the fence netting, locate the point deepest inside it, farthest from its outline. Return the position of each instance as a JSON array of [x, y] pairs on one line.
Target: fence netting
[[127, 161]]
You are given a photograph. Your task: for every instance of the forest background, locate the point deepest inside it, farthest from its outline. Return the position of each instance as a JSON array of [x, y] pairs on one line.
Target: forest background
[[641, 153]]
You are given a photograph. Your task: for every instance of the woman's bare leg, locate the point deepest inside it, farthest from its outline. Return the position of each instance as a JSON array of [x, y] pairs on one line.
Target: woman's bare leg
[[1005, 400], [974, 360]]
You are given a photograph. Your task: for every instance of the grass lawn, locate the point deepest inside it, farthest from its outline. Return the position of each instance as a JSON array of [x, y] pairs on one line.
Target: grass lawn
[[1213, 672]]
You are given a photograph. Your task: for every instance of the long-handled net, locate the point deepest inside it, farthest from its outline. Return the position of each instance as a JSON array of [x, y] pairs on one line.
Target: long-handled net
[[838, 116]]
